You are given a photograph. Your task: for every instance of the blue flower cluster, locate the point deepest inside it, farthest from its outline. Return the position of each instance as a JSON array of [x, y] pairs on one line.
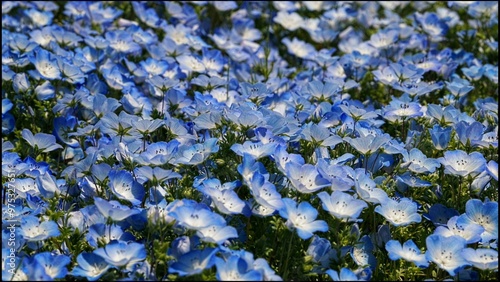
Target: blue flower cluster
[[247, 140]]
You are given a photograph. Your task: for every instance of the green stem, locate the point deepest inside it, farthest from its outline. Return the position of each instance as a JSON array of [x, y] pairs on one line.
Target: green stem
[[288, 256]]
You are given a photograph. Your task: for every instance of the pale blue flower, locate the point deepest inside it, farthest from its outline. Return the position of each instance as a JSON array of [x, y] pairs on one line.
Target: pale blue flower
[[302, 218], [446, 252], [399, 213], [408, 251]]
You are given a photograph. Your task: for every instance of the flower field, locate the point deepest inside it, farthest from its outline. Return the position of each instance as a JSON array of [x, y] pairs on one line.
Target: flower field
[[249, 140]]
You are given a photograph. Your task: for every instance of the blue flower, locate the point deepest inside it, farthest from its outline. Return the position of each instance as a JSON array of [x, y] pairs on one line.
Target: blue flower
[[305, 178], [459, 163], [196, 216], [62, 127], [408, 251], [321, 252], [432, 25], [20, 83], [345, 275], [367, 189], [218, 234], [114, 209], [121, 41], [302, 218], [100, 234], [120, 253], [341, 176], [399, 213], [402, 108], [486, 215], [481, 258], [46, 64], [362, 253], [255, 149], [440, 136], [446, 252], [53, 264], [418, 162], [41, 141], [265, 193], [225, 199], [194, 262], [124, 187], [440, 214], [90, 266], [33, 230], [342, 205], [235, 268], [197, 153], [461, 226], [368, 144]]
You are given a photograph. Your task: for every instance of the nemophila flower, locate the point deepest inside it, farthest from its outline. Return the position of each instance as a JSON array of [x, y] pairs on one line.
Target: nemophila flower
[[341, 177], [100, 234], [90, 266], [53, 264], [302, 217], [122, 41], [49, 186], [256, 149], [345, 275], [41, 141], [319, 135], [469, 134], [358, 113], [235, 268], [226, 200], [461, 226], [113, 209], [459, 163], [367, 189], [70, 72], [21, 83], [159, 153], [342, 205], [45, 91], [249, 166], [492, 169], [399, 213], [265, 193], [62, 127], [481, 258], [368, 144], [120, 253], [299, 48], [33, 230], [486, 215], [408, 251], [124, 186], [321, 252], [362, 253], [432, 25], [446, 252], [282, 157], [46, 64], [24, 186], [196, 216], [193, 262], [417, 162], [305, 178], [402, 108], [217, 234], [197, 153], [39, 18], [440, 136], [407, 179]]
